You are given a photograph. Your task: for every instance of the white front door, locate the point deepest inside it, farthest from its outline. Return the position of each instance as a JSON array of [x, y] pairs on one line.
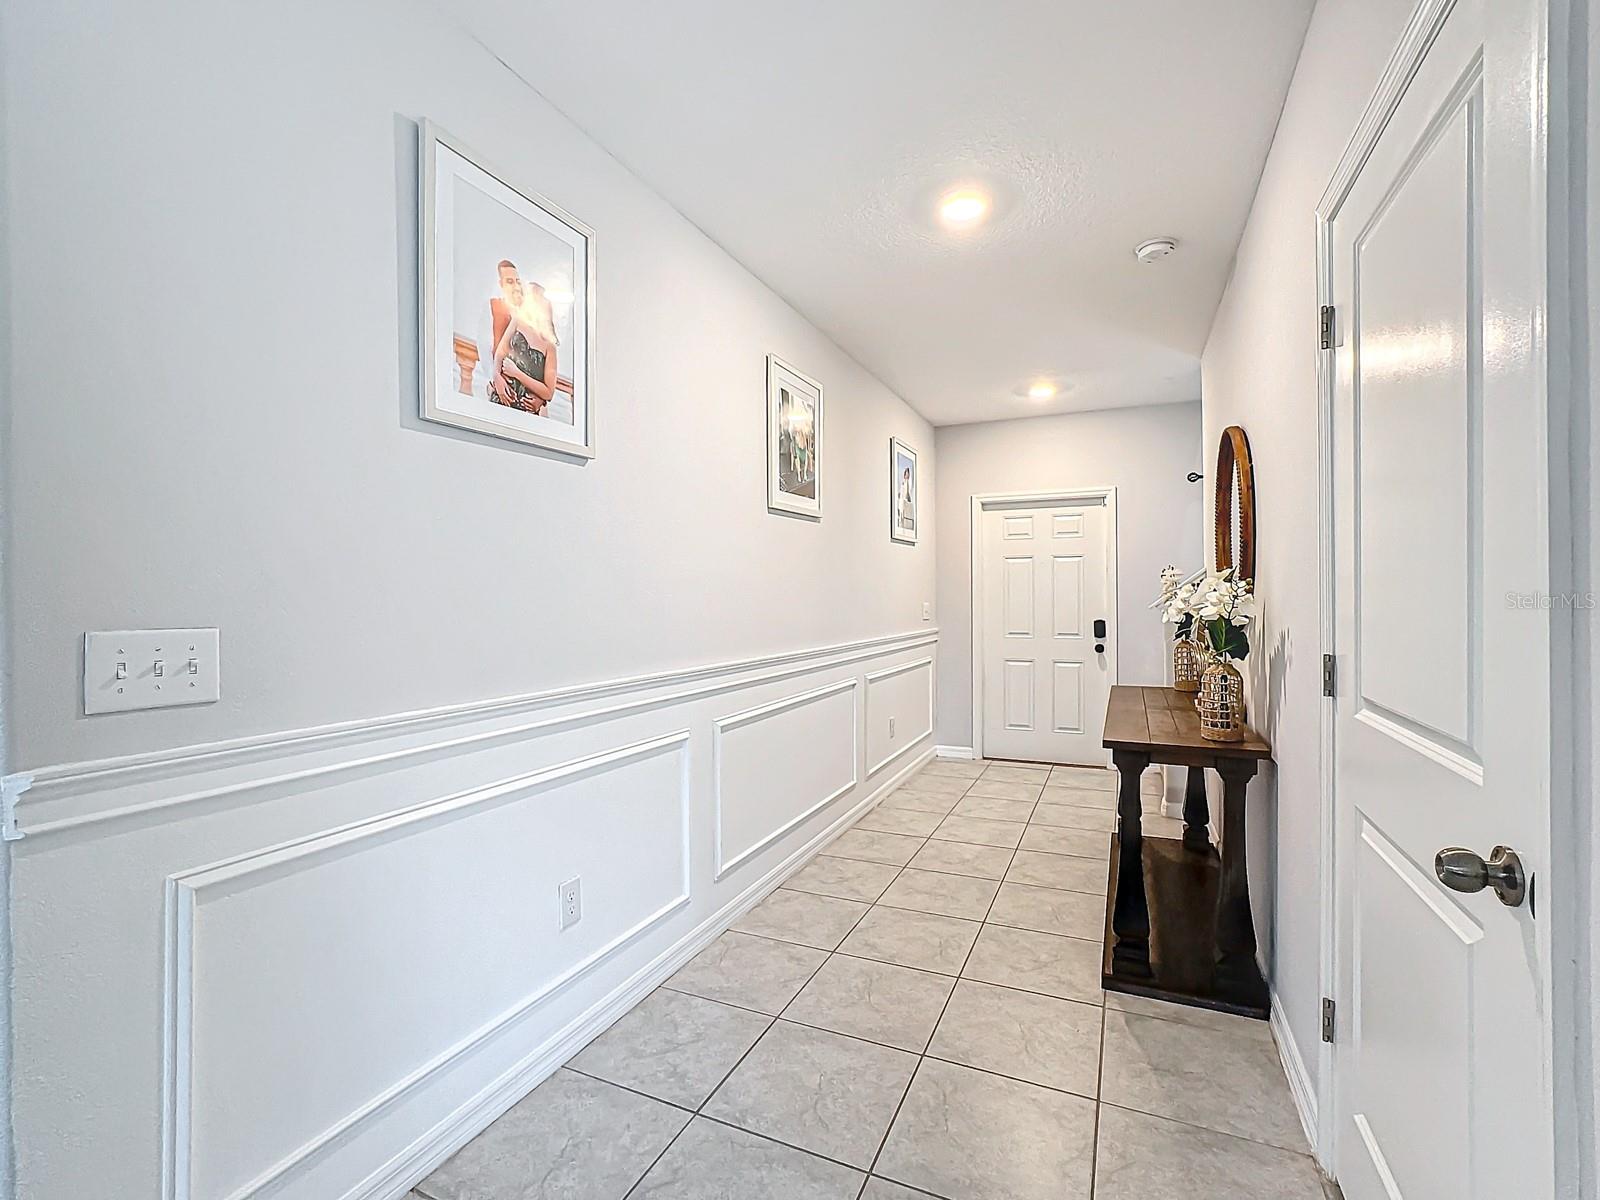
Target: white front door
[[1046, 637], [1442, 730]]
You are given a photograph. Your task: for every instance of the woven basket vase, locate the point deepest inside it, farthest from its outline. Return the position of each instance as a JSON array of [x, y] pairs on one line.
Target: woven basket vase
[[1186, 665], [1221, 703]]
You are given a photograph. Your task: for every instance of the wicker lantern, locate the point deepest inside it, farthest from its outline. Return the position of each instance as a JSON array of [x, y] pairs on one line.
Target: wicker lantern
[[1186, 665], [1221, 703]]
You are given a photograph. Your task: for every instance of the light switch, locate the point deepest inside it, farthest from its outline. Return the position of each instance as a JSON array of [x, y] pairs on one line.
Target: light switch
[[927, 610], [126, 669]]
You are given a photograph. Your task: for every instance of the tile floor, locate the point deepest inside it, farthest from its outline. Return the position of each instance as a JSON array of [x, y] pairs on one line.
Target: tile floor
[[916, 1012]]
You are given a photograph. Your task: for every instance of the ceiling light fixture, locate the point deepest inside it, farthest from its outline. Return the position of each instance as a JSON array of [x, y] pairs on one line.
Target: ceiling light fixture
[[1043, 389], [963, 208]]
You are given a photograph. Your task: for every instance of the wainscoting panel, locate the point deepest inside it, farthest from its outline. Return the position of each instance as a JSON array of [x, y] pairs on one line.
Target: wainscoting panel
[[314, 964], [779, 763], [437, 919], [902, 694]]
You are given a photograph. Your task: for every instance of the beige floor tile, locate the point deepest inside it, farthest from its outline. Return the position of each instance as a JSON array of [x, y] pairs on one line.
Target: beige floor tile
[[802, 918], [816, 1090], [1050, 910], [912, 939], [1141, 1157], [1037, 1038], [1059, 871], [936, 892], [976, 831], [893, 848], [1068, 968], [847, 878], [881, 1002], [750, 972], [1217, 1079], [960, 858], [969, 1134], [900, 820]]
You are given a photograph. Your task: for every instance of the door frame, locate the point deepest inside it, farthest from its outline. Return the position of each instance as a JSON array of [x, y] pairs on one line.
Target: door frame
[[1552, 409], [1107, 496]]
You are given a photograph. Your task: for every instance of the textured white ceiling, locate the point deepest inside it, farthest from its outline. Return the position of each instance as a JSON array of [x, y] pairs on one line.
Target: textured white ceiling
[[811, 139]]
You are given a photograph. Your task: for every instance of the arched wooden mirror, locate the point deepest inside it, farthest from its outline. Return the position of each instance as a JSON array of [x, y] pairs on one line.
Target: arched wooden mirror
[[1235, 507]]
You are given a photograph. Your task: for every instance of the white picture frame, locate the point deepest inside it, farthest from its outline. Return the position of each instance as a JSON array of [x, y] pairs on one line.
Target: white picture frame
[[795, 446], [905, 502], [504, 352]]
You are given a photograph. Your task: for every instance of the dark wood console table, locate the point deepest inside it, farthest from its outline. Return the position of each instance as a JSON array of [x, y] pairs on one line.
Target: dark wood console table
[[1178, 922]]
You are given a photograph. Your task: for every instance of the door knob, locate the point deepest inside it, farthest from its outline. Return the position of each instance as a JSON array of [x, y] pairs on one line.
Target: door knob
[[1461, 870]]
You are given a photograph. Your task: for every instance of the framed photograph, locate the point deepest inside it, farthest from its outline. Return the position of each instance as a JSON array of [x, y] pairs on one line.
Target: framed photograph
[[794, 441], [902, 492], [507, 305]]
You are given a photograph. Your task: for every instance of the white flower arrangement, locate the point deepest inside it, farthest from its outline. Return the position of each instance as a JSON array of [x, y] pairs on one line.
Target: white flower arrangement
[[1223, 608], [1175, 598]]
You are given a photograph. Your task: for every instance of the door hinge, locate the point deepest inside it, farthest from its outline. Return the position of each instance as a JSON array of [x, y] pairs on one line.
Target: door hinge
[[1327, 1019], [1325, 327], [1330, 675]]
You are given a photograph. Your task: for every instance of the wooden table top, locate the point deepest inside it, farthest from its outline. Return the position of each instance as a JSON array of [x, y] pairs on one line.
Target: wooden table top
[[1157, 719]]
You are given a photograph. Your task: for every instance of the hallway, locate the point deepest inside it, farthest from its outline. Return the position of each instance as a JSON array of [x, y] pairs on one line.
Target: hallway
[[920, 1005]]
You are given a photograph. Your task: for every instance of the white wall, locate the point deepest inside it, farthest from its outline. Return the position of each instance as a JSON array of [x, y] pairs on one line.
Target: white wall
[[1145, 453], [294, 961], [1259, 371], [214, 372]]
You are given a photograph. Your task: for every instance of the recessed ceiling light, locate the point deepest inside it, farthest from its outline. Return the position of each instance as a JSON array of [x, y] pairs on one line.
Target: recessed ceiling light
[[963, 208], [1041, 389]]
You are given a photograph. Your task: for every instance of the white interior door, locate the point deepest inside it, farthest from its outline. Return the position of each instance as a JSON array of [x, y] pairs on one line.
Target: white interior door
[[1442, 733], [1046, 578]]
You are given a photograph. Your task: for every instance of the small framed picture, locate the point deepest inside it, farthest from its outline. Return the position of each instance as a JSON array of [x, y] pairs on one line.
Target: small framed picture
[[794, 441], [507, 305], [902, 492]]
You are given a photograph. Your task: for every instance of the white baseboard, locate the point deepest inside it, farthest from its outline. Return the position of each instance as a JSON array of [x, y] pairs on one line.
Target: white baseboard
[[964, 752], [1294, 1067], [405, 1170]]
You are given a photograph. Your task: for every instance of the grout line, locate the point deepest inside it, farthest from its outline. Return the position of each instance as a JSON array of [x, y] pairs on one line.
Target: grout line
[[613, 1083], [1099, 1079], [1238, 1137]]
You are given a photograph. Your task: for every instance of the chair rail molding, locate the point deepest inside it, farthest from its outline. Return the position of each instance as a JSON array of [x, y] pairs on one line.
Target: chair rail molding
[[50, 806]]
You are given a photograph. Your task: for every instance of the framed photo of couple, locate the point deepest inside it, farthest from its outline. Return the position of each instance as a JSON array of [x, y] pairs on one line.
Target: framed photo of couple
[[507, 305], [902, 492]]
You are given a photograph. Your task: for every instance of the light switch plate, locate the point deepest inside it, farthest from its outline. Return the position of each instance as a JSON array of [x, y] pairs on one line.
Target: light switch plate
[[927, 610], [127, 669]]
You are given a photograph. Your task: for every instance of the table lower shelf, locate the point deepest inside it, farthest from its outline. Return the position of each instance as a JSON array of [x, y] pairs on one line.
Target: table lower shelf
[[1179, 893]]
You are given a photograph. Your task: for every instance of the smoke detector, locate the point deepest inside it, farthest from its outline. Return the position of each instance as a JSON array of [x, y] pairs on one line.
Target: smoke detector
[[1155, 249]]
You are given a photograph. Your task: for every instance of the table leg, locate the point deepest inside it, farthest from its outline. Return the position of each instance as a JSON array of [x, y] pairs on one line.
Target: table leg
[[1236, 929], [1196, 812], [1130, 913]]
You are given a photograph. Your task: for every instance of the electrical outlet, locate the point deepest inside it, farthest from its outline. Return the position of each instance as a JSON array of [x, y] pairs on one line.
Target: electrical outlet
[[891, 726], [571, 902]]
